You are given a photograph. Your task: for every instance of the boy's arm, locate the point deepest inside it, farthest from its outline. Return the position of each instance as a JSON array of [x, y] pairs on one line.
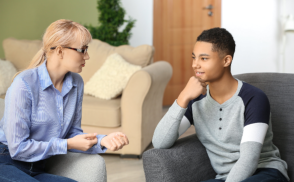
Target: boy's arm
[[167, 131], [250, 149], [257, 117], [170, 127]]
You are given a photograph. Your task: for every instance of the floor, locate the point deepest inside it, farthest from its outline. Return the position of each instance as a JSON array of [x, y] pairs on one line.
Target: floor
[[130, 170]]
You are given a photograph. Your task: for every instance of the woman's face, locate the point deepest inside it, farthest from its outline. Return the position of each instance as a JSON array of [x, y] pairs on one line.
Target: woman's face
[[73, 60]]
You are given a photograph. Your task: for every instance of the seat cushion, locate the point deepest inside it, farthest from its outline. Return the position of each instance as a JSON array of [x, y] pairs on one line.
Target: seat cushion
[[21, 52], [2, 96], [99, 51], [100, 112]]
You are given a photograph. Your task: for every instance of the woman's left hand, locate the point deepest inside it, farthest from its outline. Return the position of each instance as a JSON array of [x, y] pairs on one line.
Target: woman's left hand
[[114, 141]]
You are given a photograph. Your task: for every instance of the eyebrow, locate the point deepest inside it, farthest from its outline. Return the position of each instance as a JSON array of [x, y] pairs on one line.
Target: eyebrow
[[200, 54]]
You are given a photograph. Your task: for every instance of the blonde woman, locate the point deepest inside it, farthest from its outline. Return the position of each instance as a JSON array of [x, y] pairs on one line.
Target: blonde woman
[[42, 116]]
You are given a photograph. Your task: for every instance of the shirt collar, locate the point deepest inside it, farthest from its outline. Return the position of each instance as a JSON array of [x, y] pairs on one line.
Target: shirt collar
[[45, 79]]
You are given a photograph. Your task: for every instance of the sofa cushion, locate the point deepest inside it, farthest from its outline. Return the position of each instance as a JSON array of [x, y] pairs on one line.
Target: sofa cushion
[[21, 52], [99, 51], [2, 106], [100, 112], [2, 96], [110, 80], [7, 71]]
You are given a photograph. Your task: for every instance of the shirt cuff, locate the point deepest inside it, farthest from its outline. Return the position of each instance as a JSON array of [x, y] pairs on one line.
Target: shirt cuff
[[177, 111], [98, 145], [60, 146]]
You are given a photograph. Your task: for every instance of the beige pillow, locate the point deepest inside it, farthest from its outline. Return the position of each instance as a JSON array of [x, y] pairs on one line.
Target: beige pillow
[[7, 71], [99, 51], [110, 80]]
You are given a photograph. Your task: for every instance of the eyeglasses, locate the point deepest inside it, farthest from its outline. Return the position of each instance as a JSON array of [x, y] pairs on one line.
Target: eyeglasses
[[84, 50]]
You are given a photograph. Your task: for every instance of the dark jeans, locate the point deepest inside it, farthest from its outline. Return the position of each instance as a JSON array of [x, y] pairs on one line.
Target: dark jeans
[[261, 175], [13, 170]]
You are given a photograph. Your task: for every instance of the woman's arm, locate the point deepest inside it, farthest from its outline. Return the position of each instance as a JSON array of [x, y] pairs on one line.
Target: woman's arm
[[76, 129], [18, 109]]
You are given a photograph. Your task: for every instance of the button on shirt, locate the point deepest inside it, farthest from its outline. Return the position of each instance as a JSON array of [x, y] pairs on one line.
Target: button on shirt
[[38, 118]]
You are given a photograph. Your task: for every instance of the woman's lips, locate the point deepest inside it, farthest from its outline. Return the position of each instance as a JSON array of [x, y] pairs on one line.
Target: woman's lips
[[83, 65]]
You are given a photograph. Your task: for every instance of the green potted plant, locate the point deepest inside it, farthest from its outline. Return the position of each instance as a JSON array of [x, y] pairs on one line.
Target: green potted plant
[[111, 17]]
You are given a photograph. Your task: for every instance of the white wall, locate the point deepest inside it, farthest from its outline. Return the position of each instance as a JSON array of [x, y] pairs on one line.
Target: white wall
[[256, 28], [254, 24], [142, 11]]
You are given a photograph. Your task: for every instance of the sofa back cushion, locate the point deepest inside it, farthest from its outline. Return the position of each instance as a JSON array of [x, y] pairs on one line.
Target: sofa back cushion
[[21, 52], [279, 89], [99, 51]]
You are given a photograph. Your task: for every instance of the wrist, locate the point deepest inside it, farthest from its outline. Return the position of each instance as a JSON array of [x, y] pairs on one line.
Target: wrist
[[69, 144], [183, 101], [102, 142]]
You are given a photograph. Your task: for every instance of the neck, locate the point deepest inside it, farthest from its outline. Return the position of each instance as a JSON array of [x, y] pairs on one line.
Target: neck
[[224, 88], [56, 73]]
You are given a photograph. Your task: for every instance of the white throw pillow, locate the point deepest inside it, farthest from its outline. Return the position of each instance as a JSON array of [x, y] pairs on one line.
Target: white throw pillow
[[7, 71], [110, 80]]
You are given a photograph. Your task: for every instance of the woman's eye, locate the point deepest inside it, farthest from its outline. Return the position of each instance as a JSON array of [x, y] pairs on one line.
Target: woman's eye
[[193, 57], [204, 59]]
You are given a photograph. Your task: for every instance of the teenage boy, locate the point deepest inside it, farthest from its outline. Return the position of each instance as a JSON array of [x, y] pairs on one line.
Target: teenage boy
[[231, 118]]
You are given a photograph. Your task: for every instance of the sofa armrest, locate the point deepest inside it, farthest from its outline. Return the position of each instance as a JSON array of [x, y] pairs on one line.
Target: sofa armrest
[[141, 104], [186, 160], [78, 166]]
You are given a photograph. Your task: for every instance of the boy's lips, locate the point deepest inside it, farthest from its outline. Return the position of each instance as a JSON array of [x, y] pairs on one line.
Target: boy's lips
[[198, 73]]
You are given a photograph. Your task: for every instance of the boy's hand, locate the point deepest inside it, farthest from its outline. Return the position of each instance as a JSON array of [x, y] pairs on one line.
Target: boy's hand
[[193, 89], [82, 142], [115, 141]]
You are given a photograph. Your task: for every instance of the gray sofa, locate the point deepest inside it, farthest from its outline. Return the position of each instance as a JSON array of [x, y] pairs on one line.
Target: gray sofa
[[187, 159], [77, 166]]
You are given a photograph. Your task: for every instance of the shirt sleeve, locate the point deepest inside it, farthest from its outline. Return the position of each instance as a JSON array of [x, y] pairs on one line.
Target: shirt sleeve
[[17, 124], [76, 129], [257, 116]]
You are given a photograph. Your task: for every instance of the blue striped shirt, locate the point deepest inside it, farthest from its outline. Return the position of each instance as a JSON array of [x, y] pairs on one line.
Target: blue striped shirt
[[38, 118]]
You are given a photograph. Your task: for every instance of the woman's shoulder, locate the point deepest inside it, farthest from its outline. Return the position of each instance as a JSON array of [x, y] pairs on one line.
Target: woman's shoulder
[[28, 76]]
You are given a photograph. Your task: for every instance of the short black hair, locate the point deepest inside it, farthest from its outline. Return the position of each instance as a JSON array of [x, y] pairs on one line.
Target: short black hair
[[222, 41]]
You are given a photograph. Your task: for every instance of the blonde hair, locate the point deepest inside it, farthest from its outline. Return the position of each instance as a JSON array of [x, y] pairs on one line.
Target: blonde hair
[[59, 33]]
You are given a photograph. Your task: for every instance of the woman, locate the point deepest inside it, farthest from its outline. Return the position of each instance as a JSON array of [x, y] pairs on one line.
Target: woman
[[43, 107]]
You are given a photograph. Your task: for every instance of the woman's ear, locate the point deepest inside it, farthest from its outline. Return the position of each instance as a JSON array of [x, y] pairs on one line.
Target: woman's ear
[[227, 60], [59, 52]]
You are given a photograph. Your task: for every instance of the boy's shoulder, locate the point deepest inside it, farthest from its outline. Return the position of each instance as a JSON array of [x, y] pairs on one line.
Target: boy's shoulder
[[250, 93]]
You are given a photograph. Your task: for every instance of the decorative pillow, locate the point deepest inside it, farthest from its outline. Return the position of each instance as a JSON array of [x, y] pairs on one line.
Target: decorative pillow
[[7, 71], [110, 80]]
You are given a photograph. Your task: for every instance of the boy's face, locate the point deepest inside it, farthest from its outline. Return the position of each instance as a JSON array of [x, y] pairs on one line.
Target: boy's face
[[207, 65]]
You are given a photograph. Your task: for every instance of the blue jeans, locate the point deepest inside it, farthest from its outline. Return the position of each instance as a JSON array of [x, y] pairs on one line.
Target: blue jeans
[[13, 170], [261, 175]]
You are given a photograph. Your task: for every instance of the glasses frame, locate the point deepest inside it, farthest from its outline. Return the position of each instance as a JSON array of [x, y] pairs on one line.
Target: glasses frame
[[84, 51]]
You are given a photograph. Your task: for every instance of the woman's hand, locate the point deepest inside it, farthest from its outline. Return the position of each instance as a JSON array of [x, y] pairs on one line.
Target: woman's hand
[[82, 142], [193, 89], [114, 141]]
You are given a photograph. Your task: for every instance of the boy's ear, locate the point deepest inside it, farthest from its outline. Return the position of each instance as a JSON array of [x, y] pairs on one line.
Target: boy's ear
[[227, 60]]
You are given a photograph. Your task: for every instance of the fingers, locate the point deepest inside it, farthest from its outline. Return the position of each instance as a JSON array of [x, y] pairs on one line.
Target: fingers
[[93, 141], [90, 136], [118, 143], [113, 145], [124, 138]]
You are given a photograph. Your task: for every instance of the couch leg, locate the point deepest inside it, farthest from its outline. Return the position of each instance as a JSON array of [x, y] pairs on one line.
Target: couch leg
[[131, 156]]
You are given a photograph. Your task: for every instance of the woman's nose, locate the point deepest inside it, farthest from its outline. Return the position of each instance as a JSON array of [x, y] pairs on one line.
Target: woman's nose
[[86, 56]]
